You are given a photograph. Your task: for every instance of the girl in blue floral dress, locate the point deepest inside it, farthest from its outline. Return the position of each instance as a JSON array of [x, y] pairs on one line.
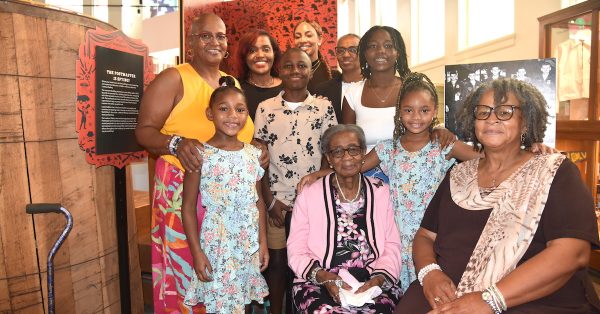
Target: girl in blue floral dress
[[230, 249], [415, 164]]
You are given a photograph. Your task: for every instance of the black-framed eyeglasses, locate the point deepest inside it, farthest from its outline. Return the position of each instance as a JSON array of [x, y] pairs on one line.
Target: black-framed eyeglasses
[[340, 152], [502, 112], [340, 51], [208, 37]]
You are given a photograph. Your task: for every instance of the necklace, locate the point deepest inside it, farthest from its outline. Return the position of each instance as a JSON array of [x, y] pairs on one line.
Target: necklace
[[261, 85], [377, 95], [342, 192], [315, 66]]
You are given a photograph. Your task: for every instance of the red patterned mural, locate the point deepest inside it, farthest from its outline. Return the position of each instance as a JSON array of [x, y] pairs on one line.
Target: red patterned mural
[[279, 17]]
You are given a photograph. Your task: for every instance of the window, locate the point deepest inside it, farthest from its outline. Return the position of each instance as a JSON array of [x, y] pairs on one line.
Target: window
[[480, 21], [357, 16], [427, 28]]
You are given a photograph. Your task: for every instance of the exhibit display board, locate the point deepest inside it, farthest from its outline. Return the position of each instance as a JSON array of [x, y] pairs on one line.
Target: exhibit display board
[[112, 72]]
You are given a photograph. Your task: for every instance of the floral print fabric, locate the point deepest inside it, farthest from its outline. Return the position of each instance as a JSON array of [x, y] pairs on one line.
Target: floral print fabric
[[293, 138], [414, 178], [352, 252], [229, 235], [171, 257]]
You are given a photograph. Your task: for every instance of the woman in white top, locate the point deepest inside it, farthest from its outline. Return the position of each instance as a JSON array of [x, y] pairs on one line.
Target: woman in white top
[[371, 103]]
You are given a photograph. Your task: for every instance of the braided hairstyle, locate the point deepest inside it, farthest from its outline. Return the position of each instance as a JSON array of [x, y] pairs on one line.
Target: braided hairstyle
[[227, 84], [534, 110], [319, 30], [413, 82], [401, 60]]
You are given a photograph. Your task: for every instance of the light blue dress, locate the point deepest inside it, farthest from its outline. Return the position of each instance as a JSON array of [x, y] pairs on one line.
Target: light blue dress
[[414, 179], [229, 235]]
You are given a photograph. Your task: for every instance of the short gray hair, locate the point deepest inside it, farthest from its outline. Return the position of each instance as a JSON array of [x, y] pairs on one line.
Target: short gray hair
[[334, 130]]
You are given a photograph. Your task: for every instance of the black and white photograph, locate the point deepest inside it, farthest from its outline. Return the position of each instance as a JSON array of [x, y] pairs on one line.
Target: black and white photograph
[[462, 79]]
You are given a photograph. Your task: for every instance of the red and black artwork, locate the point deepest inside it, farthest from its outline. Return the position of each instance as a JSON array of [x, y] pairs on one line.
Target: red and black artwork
[[88, 81], [278, 17]]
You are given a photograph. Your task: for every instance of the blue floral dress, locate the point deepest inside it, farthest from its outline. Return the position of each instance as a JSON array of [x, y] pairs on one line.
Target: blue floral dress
[[229, 235], [414, 178], [352, 252]]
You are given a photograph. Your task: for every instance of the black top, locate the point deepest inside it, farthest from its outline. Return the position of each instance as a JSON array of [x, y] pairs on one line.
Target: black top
[[319, 75], [255, 95], [332, 89]]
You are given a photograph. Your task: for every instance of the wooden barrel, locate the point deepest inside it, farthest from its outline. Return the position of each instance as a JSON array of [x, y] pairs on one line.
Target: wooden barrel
[[41, 163]]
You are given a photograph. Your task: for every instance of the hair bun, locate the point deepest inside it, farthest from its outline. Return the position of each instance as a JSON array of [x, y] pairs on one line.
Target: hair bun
[[226, 81], [414, 77]]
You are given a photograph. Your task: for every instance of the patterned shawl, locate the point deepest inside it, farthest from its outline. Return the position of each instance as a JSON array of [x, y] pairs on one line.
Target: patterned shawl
[[517, 205]]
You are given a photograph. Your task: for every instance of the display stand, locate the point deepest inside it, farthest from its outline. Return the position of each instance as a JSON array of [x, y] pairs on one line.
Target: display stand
[[568, 35]]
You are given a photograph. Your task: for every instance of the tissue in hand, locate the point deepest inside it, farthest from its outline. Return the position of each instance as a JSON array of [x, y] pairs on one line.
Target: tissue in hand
[[348, 297]]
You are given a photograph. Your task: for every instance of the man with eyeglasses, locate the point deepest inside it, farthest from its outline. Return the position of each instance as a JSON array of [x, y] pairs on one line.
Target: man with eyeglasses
[[347, 57]]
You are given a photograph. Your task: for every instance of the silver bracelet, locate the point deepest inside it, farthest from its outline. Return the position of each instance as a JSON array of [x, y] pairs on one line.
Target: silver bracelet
[[426, 270], [272, 204], [338, 282], [498, 297], [487, 296], [313, 274]]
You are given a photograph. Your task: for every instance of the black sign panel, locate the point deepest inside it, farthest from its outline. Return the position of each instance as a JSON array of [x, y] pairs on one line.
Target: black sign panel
[[119, 87]]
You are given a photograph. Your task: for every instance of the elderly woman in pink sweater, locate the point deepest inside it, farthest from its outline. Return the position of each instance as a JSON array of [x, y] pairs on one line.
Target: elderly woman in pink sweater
[[344, 221]]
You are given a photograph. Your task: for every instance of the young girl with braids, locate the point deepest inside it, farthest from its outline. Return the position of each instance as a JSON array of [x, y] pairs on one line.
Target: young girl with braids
[[231, 249], [308, 36]]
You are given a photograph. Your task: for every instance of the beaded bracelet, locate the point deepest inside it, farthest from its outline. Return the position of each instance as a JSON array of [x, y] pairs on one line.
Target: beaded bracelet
[[426, 270], [313, 274], [173, 144]]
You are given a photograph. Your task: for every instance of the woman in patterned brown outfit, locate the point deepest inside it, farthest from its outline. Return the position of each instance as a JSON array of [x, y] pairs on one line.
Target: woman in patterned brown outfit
[[510, 232]]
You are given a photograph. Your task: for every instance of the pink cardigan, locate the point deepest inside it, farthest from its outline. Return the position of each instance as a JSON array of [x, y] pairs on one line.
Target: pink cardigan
[[312, 231]]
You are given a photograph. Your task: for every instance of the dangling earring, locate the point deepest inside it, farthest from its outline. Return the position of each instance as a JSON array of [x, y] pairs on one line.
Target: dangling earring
[[226, 55], [522, 140]]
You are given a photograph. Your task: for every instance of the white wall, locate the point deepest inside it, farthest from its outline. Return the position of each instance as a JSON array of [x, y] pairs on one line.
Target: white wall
[[524, 44]]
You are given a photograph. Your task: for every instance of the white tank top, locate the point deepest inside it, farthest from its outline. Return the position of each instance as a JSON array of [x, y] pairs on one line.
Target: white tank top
[[378, 123]]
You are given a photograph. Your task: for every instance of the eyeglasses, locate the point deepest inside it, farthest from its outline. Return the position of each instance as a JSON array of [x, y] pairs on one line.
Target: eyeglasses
[[502, 112], [340, 152], [340, 51], [208, 37]]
